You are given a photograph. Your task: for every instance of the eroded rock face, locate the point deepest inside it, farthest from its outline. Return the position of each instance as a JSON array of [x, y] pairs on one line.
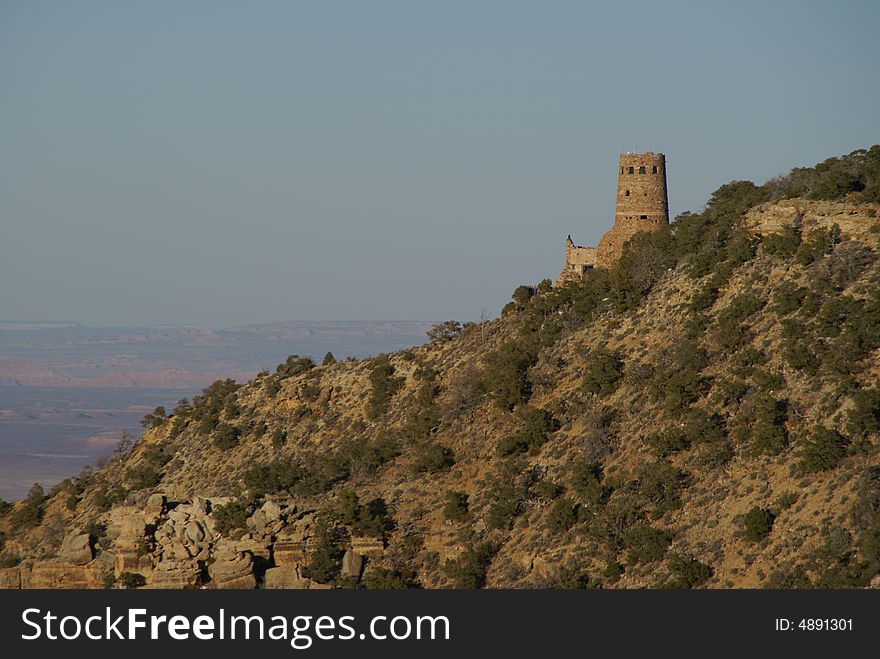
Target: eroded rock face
[[174, 575], [366, 546], [10, 578], [76, 548], [290, 552], [62, 575], [855, 221], [131, 561], [176, 545], [126, 526]]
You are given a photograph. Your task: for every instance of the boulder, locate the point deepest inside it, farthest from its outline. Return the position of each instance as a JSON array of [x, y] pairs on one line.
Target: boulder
[[219, 501], [256, 523], [76, 548], [286, 577], [352, 564], [175, 550], [235, 574], [201, 553], [155, 506], [193, 532], [255, 546], [226, 549], [179, 515], [210, 526], [271, 511], [166, 530], [267, 520]]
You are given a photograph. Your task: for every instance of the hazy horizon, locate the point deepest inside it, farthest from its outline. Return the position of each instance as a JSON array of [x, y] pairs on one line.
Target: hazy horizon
[[226, 164], [123, 325]]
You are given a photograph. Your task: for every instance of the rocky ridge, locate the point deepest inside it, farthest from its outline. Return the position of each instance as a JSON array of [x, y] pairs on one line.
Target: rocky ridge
[[602, 469]]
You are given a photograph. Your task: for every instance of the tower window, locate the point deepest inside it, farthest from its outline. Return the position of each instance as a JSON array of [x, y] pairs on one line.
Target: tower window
[[643, 217], [654, 169], [642, 169], [626, 193], [629, 170], [621, 169]]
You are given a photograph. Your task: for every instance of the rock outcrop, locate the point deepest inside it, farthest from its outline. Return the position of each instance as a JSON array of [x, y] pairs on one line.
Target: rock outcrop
[[177, 545], [76, 548]]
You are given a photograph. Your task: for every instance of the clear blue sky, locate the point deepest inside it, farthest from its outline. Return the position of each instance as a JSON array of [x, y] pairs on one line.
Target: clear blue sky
[[236, 162]]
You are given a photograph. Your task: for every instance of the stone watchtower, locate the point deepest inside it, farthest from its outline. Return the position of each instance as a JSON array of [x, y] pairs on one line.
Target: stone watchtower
[[641, 206]]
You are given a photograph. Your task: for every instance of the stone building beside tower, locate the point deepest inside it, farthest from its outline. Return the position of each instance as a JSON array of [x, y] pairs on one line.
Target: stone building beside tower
[[642, 205]]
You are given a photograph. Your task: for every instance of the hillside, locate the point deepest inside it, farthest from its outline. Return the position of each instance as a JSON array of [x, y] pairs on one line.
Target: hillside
[[703, 414]]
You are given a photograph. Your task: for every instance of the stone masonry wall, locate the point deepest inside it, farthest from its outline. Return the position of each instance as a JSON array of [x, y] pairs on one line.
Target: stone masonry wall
[[577, 260]]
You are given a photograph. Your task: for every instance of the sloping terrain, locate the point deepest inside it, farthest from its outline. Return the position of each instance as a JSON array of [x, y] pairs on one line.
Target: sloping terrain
[[703, 414]]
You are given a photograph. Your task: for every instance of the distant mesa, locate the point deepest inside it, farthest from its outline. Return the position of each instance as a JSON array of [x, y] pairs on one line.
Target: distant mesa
[[16, 372], [35, 325]]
